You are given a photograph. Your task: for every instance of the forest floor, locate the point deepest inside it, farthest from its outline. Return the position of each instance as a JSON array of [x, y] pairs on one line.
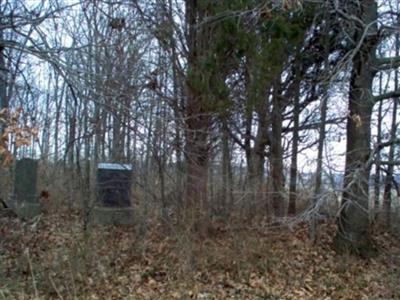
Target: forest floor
[[52, 258]]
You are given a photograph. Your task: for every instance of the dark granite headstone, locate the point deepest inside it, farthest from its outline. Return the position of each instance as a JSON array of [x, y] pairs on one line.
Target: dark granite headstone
[[114, 184], [25, 193], [113, 194]]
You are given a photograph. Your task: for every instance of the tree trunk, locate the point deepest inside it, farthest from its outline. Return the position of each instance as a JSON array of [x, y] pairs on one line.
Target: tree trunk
[[353, 233], [387, 197], [59, 102], [3, 79], [47, 123], [71, 140], [87, 184], [318, 172], [276, 158], [255, 155], [197, 154], [227, 195], [198, 118], [295, 144], [377, 176]]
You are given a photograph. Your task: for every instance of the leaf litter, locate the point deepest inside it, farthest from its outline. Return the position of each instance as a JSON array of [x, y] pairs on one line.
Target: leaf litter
[[54, 259]]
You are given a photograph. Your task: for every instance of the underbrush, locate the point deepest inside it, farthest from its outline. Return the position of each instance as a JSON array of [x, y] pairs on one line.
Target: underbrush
[[51, 257]]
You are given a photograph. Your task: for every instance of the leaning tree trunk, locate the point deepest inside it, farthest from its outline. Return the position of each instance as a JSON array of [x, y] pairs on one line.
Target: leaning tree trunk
[[353, 224]]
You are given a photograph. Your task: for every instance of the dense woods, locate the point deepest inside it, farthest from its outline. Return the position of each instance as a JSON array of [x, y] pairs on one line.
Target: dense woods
[[268, 116]]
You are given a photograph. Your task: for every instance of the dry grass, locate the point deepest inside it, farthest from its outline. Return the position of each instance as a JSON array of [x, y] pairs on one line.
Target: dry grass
[[52, 258]]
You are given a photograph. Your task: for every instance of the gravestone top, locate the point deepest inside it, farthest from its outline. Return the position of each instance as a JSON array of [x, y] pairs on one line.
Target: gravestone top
[[113, 166]]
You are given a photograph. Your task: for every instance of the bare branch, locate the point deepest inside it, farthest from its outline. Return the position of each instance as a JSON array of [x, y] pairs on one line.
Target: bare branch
[[392, 163], [387, 63], [388, 95]]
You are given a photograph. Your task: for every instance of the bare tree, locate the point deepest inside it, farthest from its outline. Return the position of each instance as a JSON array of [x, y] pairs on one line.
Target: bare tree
[[353, 233]]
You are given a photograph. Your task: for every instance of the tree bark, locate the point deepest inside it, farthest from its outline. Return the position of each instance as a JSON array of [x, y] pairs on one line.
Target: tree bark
[[378, 155], [198, 118], [226, 197], [387, 197], [353, 233], [276, 158], [318, 172], [295, 146], [3, 79]]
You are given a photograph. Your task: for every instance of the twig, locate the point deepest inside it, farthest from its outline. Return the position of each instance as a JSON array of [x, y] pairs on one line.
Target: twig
[[55, 288], [32, 273]]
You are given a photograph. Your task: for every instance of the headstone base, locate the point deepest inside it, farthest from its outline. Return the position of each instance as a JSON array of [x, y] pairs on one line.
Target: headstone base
[[27, 210], [112, 215]]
